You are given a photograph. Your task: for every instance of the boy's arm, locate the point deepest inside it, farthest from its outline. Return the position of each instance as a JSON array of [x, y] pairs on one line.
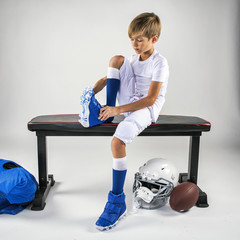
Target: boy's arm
[[147, 101], [99, 85]]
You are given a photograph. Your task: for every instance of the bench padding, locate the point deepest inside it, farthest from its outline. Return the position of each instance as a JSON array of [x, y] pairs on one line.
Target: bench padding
[[165, 123]]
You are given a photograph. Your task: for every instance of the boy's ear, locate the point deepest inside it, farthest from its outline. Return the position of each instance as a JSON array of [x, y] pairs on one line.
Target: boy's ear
[[154, 39]]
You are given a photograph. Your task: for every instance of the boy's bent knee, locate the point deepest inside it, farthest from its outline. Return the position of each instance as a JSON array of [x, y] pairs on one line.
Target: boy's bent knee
[[127, 131], [116, 62]]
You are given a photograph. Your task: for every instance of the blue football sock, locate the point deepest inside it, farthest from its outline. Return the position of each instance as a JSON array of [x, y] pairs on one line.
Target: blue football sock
[[118, 181], [112, 90], [113, 85], [119, 174]]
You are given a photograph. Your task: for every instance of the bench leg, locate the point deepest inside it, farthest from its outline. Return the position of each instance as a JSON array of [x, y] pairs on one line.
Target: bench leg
[[45, 182], [192, 174], [193, 158]]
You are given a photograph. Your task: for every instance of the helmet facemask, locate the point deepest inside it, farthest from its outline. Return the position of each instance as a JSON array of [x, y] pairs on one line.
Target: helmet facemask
[[151, 194]]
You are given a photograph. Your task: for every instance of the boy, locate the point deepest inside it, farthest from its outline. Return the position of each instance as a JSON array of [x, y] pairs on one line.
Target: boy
[[139, 83]]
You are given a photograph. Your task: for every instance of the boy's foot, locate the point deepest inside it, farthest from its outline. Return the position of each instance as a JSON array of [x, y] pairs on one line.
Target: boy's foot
[[90, 109], [114, 211]]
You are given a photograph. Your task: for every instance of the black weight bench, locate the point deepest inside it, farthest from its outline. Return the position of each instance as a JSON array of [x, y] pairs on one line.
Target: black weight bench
[[68, 125]]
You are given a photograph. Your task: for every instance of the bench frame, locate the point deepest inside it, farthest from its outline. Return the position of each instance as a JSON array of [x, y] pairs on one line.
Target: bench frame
[[46, 181]]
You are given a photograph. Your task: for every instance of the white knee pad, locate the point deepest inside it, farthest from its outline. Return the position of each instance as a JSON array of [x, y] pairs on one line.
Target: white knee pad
[[133, 125], [127, 130]]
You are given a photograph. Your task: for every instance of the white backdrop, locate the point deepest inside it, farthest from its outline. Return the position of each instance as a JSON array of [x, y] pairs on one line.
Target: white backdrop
[[51, 49]]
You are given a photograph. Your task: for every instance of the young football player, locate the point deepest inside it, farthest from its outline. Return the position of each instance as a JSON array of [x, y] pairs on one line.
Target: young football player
[[139, 83]]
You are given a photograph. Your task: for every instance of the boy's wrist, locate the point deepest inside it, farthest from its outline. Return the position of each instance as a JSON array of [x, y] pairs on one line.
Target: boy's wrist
[[119, 109]]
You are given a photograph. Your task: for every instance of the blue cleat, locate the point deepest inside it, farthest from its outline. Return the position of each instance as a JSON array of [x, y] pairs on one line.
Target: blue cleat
[[114, 211], [90, 109]]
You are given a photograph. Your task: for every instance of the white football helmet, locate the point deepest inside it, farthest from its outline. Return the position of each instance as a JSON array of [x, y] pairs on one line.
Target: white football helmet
[[154, 183]]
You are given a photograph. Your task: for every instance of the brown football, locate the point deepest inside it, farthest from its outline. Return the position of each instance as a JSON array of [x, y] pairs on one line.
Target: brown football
[[184, 196]]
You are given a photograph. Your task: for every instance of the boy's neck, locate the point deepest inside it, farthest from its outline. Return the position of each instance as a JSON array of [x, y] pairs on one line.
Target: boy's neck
[[144, 56]]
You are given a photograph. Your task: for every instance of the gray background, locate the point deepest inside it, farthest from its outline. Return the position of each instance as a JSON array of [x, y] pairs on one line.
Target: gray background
[[51, 50]]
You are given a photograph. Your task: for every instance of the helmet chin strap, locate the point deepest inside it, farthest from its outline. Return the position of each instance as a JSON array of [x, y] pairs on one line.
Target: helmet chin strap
[[145, 194]]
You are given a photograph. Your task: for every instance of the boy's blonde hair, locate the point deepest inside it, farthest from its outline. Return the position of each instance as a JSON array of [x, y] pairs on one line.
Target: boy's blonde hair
[[148, 24]]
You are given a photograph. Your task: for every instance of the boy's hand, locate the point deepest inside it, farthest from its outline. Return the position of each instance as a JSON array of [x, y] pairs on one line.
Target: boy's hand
[[107, 112]]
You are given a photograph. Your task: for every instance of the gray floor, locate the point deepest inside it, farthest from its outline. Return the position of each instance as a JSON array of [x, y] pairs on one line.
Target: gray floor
[[83, 178]]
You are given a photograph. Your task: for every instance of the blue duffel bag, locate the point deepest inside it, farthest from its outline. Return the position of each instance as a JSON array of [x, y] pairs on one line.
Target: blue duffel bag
[[17, 187]]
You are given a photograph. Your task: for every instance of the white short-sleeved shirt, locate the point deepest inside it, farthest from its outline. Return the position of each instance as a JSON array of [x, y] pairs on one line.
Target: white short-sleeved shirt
[[155, 68]]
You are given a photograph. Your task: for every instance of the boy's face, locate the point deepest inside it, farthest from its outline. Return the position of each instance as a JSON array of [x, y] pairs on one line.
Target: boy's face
[[142, 44]]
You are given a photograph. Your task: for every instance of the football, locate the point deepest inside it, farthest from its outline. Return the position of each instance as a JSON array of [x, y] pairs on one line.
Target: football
[[184, 196]]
